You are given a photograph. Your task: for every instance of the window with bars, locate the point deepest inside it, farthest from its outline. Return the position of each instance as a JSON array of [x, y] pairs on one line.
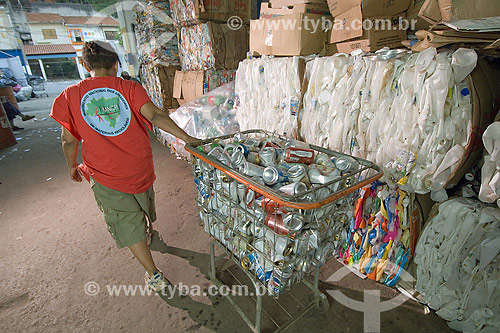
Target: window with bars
[[49, 33], [110, 35], [76, 35]]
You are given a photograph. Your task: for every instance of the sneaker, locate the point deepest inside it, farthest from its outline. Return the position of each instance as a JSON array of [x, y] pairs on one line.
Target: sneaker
[[157, 282], [26, 118]]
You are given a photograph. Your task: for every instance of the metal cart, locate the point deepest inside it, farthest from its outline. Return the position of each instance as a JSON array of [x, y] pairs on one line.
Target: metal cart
[[277, 235], [39, 87]]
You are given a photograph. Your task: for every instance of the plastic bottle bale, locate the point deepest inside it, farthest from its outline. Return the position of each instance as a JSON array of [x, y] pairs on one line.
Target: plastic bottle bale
[[7, 138]]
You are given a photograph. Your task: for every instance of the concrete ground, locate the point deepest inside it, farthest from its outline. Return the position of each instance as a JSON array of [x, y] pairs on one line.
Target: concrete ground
[[54, 244]]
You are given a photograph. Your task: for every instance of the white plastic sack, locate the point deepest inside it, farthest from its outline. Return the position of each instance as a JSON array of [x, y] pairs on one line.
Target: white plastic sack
[[458, 265], [490, 173], [268, 94], [406, 114]]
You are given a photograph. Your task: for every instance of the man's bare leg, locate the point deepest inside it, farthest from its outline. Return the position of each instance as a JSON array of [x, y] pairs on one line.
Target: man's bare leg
[[143, 254]]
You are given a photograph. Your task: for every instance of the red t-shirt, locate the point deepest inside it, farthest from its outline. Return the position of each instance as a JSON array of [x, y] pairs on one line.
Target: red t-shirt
[[104, 114]]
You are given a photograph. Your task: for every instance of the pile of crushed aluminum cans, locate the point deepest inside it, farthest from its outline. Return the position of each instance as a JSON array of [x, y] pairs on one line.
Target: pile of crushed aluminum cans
[[277, 243]]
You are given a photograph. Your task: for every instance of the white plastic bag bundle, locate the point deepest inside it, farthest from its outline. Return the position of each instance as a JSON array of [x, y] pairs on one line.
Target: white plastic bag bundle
[[490, 173], [458, 265], [209, 116], [406, 114], [268, 94]]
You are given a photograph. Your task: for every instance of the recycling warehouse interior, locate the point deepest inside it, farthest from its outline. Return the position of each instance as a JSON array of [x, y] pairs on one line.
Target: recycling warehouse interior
[[376, 147]]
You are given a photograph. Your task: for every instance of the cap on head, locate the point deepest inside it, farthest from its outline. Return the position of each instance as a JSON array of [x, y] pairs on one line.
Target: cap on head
[[99, 54]]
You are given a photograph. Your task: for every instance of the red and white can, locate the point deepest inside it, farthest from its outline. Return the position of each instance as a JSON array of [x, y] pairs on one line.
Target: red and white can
[[299, 155]]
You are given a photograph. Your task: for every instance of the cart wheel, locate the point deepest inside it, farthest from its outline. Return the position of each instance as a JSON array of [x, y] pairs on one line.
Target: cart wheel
[[324, 306], [322, 303]]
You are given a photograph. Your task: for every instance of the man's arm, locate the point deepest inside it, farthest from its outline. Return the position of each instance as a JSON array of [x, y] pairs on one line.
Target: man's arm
[[70, 149], [162, 120]]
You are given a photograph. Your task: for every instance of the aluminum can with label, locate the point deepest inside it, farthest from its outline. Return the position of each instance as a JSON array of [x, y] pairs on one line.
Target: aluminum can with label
[[243, 148], [271, 206], [299, 155], [270, 144], [253, 157], [293, 222], [253, 144], [280, 277], [294, 188], [298, 173], [324, 159], [346, 164], [252, 170], [275, 223], [237, 159], [268, 156], [251, 261], [273, 175]]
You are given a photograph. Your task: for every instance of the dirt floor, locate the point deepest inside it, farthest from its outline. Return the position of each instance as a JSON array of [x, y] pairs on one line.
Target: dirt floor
[[53, 242]]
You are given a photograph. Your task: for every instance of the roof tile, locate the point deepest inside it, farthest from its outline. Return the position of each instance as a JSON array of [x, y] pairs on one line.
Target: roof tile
[[49, 49], [43, 17], [90, 20]]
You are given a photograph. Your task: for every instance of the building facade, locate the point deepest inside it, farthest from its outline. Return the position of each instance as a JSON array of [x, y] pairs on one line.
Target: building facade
[[47, 38], [48, 30], [83, 29]]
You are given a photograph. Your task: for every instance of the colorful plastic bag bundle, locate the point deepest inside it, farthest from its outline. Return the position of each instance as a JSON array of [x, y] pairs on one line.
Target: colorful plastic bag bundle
[[189, 12], [216, 78], [183, 12], [155, 33], [152, 84], [195, 48], [409, 113], [212, 46], [209, 116], [458, 258], [376, 241], [269, 94]]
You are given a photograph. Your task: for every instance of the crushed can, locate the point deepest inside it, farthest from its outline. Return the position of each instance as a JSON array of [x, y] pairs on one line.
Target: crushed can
[[273, 175], [268, 156], [299, 155], [280, 277]]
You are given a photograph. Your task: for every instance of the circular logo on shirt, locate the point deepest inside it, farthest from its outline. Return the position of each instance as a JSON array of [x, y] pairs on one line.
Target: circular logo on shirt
[[106, 111]]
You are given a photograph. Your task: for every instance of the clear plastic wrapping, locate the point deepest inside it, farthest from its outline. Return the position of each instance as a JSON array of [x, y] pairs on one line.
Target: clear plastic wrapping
[[209, 116]]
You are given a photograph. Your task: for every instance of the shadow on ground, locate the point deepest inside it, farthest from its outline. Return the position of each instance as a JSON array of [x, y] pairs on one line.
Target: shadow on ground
[[220, 316]]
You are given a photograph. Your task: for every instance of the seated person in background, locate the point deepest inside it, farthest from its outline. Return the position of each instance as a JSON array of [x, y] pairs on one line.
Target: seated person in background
[[126, 76], [12, 112]]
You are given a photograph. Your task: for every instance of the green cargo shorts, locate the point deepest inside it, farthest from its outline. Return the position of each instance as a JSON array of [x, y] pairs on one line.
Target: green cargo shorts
[[125, 214]]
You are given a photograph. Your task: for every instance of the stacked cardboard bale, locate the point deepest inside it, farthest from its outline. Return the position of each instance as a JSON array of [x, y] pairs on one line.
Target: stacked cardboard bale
[[368, 24], [290, 28], [209, 48], [473, 24]]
